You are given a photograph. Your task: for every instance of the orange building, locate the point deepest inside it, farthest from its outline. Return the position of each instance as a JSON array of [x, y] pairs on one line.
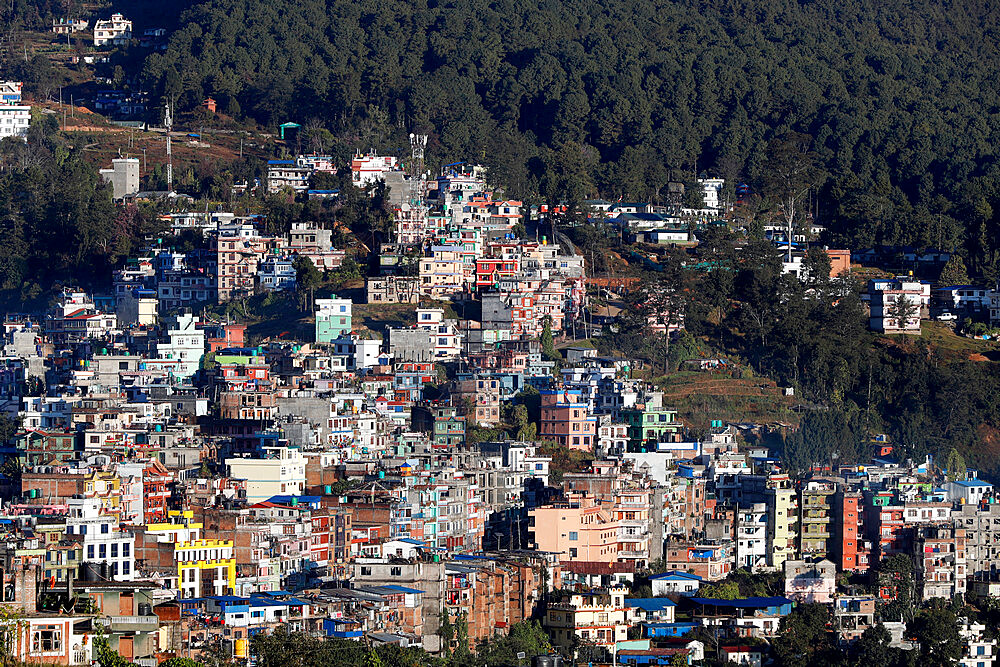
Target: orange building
[[840, 262], [578, 529]]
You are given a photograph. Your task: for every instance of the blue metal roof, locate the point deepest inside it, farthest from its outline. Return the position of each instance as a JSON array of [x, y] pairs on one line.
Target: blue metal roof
[[650, 604], [675, 574], [402, 589]]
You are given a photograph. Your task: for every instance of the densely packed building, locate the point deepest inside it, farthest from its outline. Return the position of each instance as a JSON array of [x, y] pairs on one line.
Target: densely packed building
[[182, 482]]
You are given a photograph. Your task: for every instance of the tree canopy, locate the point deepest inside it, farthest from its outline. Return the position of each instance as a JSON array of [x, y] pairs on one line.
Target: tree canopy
[[888, 109]]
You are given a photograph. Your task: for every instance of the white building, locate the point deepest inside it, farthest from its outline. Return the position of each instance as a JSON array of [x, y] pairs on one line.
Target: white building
[[10, 92], [676, 582], [979, 650], [712, 191], [612, 438], [68, 26], [14, 120], [315, 162], [116, 30], [281, 472], [883, 296], [185, 347], [969, 491], [102, 540], [283, 174], [447, 337], [751, 537], [360, 352], [276, 273], [368, 169]]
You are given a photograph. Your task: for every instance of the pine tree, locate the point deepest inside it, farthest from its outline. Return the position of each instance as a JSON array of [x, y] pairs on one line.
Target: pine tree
[[954, 272]]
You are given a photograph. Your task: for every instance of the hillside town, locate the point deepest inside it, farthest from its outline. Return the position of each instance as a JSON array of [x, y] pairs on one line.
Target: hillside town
[[444, 446]]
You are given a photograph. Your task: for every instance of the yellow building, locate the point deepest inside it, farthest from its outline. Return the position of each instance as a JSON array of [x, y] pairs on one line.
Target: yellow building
[[105, 486], [181, 527], [205, 567]]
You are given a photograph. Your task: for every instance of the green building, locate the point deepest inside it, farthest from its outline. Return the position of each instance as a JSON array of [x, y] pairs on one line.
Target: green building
[[333, 319], [650, 424]]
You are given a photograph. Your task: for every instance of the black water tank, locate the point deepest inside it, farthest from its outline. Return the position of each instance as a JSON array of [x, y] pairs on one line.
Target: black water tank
[[145, 609], [91, 572], [551, 660]]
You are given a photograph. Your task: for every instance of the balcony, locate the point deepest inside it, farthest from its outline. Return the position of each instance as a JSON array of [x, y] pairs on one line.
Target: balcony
[[130, 623]]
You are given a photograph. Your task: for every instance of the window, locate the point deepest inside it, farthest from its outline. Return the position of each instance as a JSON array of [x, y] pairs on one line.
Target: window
[[396, 572], [102, 550], [114, 550], [90, 551], [104, 528], [126, 549], [46, 638], [366, 571], [573, 536], [126, 568], [572, 552]]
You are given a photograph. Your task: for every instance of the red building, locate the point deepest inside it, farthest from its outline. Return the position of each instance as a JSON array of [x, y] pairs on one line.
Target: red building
[[850, 545], [157, 487]]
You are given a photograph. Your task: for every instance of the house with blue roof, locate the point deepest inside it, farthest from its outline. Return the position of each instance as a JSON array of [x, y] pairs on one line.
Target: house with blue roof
[[652, 609], [970, 490], [342, 628], [675, 582], [744, 617]]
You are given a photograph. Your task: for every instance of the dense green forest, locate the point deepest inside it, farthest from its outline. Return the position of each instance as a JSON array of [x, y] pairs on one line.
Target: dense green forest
[[57, 219], [613, 97]]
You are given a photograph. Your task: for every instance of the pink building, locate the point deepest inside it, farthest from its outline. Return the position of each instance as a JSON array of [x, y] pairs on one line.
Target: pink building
[[566, 419]]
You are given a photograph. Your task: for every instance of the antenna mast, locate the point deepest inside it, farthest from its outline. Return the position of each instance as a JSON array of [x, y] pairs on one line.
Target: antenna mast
[[168, 122], [417, 144]]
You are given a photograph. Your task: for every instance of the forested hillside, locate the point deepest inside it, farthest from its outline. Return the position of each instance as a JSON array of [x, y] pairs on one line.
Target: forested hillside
[[571, 99]]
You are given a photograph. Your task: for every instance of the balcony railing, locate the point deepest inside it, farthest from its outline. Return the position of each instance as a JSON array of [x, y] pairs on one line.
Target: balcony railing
[[133, 623]]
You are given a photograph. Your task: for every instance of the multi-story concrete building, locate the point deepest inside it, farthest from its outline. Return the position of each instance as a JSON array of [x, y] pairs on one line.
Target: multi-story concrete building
[[940, 558], [982, 538], [751, 536], [116, 31], [333, 319], [579, 529], [282, 471], [816, 501], [566, 419], [850, 548], [102, 540], [778, 493], [598, 618]]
